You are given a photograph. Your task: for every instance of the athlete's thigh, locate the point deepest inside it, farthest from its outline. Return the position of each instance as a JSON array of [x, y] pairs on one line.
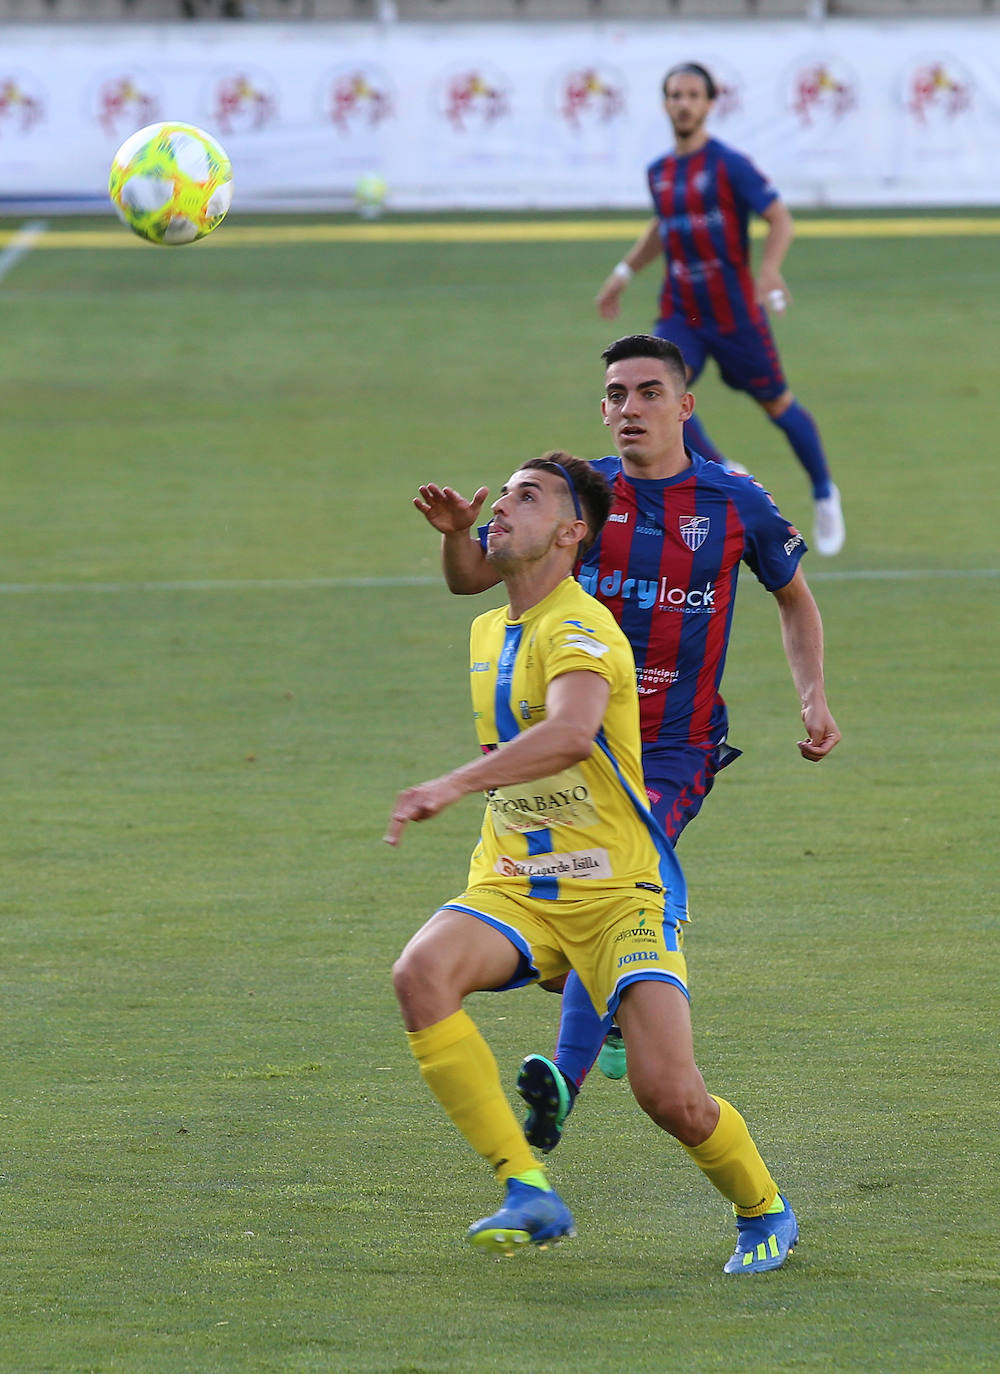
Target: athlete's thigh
[[529, 926], [454, 951], [748, 361], [691, 345], [655, 1021]]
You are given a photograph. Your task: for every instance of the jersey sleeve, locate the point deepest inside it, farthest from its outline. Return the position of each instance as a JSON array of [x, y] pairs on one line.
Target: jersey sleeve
[[750, 183], [589, 644], [774, 547]]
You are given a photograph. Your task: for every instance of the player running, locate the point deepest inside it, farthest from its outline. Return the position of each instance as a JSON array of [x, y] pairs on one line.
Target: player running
[[666, 566], [571, 870], [710, 306]]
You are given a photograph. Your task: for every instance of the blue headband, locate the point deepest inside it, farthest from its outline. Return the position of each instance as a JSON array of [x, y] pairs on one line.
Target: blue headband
[[570, 483]]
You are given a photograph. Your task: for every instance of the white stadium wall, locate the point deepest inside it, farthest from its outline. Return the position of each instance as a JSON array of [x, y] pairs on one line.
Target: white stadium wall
[[503, 116]]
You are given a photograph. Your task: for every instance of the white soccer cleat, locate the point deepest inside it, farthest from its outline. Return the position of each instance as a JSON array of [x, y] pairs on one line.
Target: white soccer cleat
[[829, 531]]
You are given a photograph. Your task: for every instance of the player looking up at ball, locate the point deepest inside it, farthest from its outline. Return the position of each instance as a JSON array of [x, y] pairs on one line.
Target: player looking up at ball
[[710, 305], [666, 566], [571, 869]]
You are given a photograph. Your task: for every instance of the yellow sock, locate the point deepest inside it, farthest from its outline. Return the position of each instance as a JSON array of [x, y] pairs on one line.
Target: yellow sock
[[457, 1065], [731, 1161], [536, 1178]]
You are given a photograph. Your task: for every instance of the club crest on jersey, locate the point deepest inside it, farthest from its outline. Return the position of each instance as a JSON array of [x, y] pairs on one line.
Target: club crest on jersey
[[694, 531]]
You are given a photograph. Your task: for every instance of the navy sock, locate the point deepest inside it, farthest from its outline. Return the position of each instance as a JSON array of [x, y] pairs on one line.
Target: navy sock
[[800, 430], [695, 438], [581, 1032]]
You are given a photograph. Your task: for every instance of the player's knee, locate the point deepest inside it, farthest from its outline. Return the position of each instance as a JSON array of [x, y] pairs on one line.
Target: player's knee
[[401, 979], [777, 405], [412, 973], [676, 1107], [428, 981]]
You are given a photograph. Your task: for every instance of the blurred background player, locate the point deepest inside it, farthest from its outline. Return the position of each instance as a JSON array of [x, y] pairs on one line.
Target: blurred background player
[[571, 869], [710, 306], [666, 565]]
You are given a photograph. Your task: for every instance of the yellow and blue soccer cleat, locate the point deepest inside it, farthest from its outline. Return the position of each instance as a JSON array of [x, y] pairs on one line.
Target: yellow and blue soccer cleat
[[765, 1242], [529, 1216], [549, 1096], [611, 1060]]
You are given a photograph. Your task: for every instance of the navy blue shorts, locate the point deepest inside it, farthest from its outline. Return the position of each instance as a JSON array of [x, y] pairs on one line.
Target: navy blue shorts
[[747, 359], [678, 779]]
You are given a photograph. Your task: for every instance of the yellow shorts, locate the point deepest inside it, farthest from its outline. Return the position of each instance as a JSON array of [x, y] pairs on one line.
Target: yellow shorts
[[616, 937]]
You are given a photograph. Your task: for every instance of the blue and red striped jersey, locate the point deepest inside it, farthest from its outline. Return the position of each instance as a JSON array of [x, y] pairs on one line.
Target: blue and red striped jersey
[[704, 201], [666, 565]]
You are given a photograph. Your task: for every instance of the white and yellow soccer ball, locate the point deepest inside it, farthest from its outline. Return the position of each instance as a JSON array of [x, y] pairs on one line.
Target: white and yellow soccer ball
[[369, 195], [171, 183]]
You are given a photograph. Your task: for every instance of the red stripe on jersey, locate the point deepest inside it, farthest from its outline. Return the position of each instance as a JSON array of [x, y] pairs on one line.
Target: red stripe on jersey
[[660, 206], [707, 691], [689, 301], [616, 543], [722, 311], [735, 246], [675, 252], [666, 626]]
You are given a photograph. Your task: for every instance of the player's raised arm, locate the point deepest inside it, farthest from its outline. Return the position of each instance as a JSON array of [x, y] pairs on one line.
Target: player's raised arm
[[802, 636], [646, 249], [463, 562]]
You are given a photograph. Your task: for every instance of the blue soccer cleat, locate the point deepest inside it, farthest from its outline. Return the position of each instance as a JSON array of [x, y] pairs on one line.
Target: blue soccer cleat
[[764, 1243], [549, 1098], [611, 1061], [529, 1216]]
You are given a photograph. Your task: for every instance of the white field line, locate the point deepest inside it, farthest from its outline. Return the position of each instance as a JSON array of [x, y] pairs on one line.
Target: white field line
[[22, 243], [896, 574], [267, 584], [349, 583]]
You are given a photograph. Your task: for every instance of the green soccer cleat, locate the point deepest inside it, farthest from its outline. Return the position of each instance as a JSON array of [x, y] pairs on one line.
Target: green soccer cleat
[[764, 1243], [611, 1060], [549, 1096], [529, 1216]]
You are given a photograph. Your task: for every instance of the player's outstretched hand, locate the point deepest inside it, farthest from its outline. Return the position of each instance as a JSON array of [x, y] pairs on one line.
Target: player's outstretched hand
[[420, 803], [447, 510], [823, 734]]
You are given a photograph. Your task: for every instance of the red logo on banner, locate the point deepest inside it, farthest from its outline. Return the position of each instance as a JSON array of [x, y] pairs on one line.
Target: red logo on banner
[[242, 102], [934, 89], [474, 99], [358, 98], [123, 105], [820, 91], [728, 101], [591, 96], [729, 85], [20, 108]]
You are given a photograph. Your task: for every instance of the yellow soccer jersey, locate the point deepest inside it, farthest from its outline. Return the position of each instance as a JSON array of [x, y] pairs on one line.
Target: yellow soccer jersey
[[590, 825]]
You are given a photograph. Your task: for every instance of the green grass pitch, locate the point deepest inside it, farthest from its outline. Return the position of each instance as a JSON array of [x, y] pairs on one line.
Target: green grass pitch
[[225, 649]]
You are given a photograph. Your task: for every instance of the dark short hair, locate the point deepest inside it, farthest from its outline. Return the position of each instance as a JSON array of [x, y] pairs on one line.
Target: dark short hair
[[693, 69], [649, 346], [591, 489]]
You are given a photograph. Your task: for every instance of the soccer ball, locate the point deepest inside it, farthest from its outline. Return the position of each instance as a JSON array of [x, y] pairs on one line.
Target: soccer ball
[[369, 195], [171, 183]]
